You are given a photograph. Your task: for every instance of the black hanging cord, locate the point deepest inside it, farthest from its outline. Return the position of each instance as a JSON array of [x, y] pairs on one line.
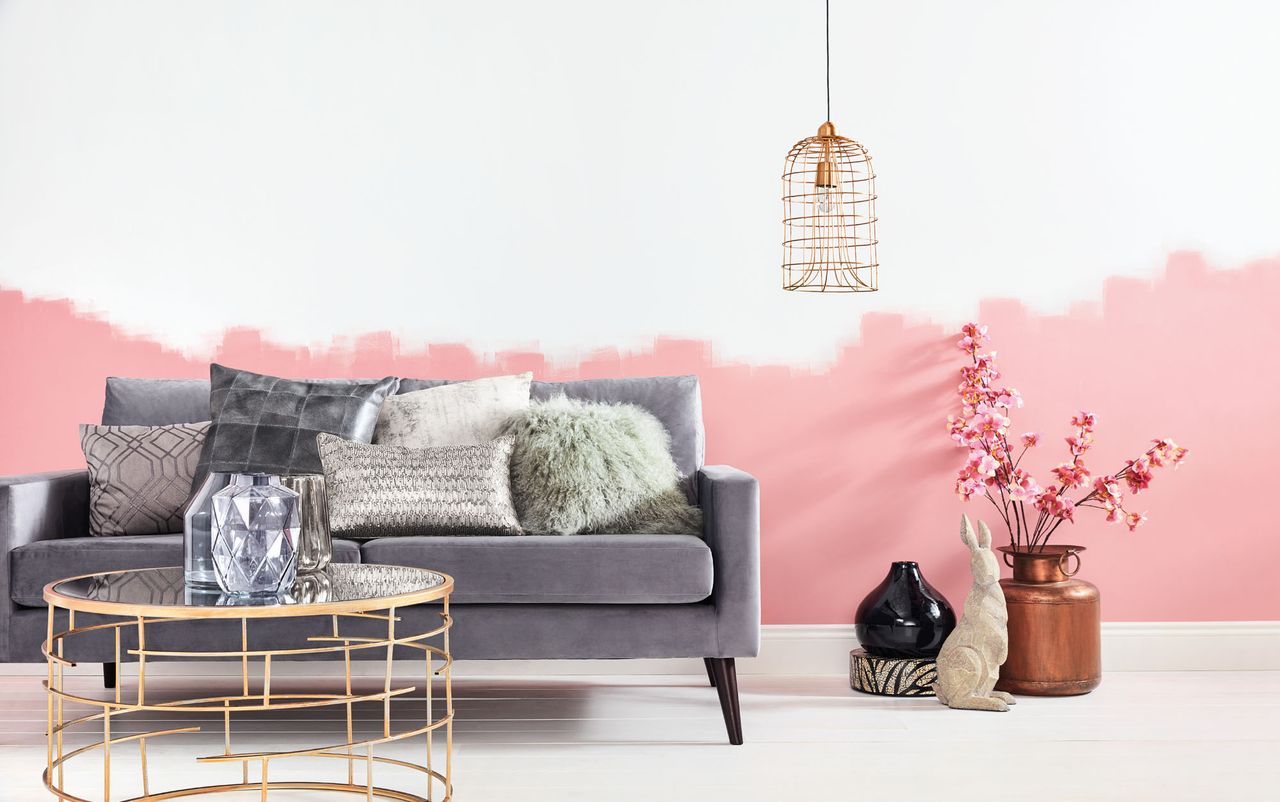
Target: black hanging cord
[[828, 60]]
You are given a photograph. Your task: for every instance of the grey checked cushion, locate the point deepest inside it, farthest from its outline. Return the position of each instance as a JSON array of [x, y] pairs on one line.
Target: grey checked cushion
[[378, 491], [269, 425], [140, 476]]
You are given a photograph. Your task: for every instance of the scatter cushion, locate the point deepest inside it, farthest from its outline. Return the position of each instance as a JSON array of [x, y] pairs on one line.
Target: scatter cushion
[[269, 425], [460, 413], [380, 490], [674, 400], [140, 476], [580, 467]]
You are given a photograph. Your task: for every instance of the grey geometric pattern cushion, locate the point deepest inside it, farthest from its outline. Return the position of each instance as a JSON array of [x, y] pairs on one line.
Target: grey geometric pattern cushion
[[140, 476], [380, 491], [267, 424]]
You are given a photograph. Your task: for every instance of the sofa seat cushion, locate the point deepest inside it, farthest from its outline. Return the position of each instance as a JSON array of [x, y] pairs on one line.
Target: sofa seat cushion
[[37, 564], [555, 569]]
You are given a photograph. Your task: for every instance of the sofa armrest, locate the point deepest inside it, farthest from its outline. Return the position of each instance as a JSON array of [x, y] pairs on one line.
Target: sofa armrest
[[43, 506], [731, 525], [33, 507]]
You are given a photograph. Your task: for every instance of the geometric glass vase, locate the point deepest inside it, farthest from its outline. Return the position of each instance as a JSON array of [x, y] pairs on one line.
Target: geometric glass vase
[[255, 536]]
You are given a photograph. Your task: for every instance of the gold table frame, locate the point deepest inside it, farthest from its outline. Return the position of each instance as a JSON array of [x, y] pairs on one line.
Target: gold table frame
[[138, 616]]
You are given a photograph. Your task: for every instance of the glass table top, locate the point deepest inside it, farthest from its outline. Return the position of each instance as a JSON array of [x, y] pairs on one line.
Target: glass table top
[[163, 591]]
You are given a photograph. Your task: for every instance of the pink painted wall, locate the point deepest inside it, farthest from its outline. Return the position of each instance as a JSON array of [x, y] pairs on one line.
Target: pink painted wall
[[853, 459]]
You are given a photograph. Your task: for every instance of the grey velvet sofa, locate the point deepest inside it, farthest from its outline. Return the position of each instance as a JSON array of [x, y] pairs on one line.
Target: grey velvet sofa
[[528, 597]]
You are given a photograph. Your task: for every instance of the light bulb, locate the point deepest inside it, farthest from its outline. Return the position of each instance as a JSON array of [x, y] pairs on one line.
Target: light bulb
[[826, 181]]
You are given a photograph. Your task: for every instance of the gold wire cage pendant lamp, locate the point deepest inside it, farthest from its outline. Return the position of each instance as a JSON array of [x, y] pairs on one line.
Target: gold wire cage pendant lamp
[[829, 211]]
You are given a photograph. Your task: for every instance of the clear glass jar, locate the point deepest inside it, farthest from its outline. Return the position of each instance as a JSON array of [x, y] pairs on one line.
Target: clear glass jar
[[255, 536]]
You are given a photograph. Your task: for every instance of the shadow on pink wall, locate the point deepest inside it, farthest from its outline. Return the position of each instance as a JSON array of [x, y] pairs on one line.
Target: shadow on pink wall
[[853, 460]]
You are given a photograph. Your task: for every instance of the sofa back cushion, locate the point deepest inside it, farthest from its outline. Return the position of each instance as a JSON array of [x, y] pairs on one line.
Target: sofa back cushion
[[155, 402], [674, 400]]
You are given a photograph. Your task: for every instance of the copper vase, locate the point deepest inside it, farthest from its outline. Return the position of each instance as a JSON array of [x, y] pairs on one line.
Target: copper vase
[[1055, 624]]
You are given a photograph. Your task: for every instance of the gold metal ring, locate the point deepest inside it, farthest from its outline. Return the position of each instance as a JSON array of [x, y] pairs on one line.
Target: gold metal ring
[[1063, 562]]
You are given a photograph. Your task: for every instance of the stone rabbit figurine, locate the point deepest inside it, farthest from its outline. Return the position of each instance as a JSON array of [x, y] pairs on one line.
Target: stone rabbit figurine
[[969, 662]]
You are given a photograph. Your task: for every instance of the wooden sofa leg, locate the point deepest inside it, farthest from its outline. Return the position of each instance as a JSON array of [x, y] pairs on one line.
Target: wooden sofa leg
[[108, 675], [711, 674], [724, 675]]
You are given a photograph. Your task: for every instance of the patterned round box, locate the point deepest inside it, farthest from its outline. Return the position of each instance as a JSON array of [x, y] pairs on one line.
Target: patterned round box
[[891, 676]]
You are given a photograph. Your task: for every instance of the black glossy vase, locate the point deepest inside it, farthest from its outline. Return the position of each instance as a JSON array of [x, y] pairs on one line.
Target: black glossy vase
[[904, 616]]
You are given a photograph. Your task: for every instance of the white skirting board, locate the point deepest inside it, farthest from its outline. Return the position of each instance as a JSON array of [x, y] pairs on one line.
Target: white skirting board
[[798, 649], [1126, 646]]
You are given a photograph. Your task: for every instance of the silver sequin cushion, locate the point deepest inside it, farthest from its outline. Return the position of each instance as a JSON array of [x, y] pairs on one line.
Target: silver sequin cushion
[[383, 491]]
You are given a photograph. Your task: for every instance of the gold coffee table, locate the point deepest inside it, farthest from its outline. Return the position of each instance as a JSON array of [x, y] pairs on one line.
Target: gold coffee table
[[357, 598]]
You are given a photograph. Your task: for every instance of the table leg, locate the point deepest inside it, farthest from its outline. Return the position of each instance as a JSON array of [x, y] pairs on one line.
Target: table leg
[[116, 664], [346, 670], [430, 733], [49, 689], [448, 705], [71, 624], [106, 754], [386, 678], [142, 660], [142, 754], [266, 681], [244, 691]]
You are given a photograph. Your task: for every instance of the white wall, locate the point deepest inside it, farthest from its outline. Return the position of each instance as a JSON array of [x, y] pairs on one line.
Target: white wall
[[581, 174]]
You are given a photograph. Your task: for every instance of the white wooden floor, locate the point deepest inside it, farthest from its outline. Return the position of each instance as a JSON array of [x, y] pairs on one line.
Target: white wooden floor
[[1141, 736]]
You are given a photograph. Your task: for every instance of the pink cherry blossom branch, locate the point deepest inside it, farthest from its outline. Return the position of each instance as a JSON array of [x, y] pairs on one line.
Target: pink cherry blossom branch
[[983, 427]]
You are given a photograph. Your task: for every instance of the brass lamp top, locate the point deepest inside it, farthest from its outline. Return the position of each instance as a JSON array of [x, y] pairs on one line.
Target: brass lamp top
[[828, 176]]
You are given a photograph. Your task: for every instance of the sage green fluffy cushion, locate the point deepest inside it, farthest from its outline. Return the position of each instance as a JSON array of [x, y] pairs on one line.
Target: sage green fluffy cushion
[[580, 468]]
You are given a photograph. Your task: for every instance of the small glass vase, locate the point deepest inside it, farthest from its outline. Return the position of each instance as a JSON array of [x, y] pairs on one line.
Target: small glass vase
[[315, 545], [255, 536], [197, 534]]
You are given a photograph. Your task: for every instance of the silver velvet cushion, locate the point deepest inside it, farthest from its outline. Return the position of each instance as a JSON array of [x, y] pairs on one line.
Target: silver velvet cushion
[[378, 491], [460, 413], [140, 476]]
